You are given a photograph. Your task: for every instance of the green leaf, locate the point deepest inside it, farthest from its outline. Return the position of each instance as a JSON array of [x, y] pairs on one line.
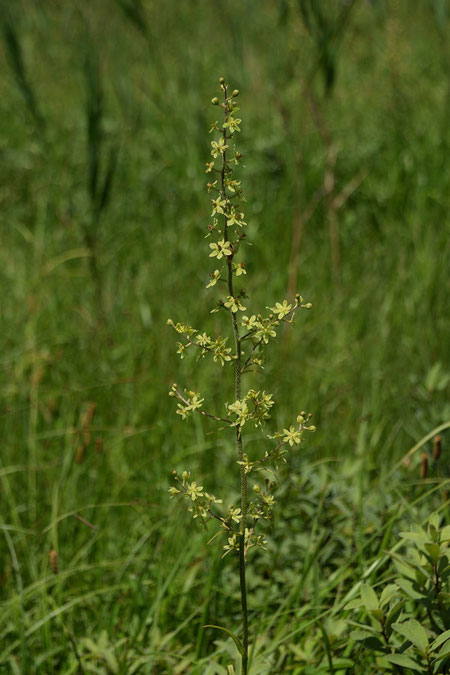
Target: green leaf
[[445, 651], [413, 631], [433, 521], [378, 614], [237, 641], [354, 604], [388, 592], [359, 635], [419, 538], [369, 597], [434, 551], [403, 567], [393, 614], [440, 640], [409, 589], [445, 533], [343, 663], [405, 661]]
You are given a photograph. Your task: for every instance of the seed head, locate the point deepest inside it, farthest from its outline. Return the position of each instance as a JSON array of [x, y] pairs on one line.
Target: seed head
[[424, 466], [437, 447], [53, 561]]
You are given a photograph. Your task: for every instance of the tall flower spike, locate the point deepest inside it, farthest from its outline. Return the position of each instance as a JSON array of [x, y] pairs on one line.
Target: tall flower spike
[[252, 333]]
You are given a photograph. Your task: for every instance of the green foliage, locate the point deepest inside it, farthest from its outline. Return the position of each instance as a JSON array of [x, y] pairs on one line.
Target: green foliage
[[409, 621]]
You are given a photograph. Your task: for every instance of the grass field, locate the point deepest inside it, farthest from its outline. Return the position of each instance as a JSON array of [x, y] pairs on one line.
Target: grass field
[[105, 116]]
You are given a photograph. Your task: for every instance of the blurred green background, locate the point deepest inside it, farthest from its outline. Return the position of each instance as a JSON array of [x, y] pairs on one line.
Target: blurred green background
[[103, 210]]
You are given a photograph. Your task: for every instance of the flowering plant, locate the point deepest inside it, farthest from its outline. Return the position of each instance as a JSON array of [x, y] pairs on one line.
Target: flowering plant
[[251, 335]]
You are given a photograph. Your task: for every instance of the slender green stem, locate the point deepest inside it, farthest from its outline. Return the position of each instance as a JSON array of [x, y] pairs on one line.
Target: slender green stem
[[240, 449]]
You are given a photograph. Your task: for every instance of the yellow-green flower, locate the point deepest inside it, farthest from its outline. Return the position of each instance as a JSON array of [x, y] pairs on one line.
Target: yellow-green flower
[[212, 499], [194, 491], [234, 304], [220, 249], [232, 185], [233, 124], [292, 435], [203, 339], [281, 309], [234, 514], [250, 322], [231, 546], [215, 276], [240, 409], [195, 402], [239, 268], [218, 147], [264, 332], [222, 353], [183, 411], [218, 205], [233, 219], [181, 349]]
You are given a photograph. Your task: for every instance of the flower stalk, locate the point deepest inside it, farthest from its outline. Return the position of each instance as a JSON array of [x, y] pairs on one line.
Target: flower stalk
[[239, 523]]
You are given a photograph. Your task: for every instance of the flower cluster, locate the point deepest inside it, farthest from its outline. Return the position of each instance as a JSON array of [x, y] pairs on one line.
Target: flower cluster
[[218, 347], [228, 218], [254, 406], [251, 334], [190, 401], [200, 502], [260, 330], [250, 540]]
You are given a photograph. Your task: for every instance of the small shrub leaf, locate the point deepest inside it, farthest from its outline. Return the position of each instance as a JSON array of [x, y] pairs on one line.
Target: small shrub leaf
[[413, 631], [388, 592], [440, 640], [394, 613], [405, 661], [434, 551], [445, 651], [445, 533], [359, 635], [354, 604], [343, 663], [369, 597], [409, 589]]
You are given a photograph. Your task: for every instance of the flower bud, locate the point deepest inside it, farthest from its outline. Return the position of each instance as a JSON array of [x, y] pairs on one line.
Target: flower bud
[[235, 93], [215, 100], [221, 80]]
